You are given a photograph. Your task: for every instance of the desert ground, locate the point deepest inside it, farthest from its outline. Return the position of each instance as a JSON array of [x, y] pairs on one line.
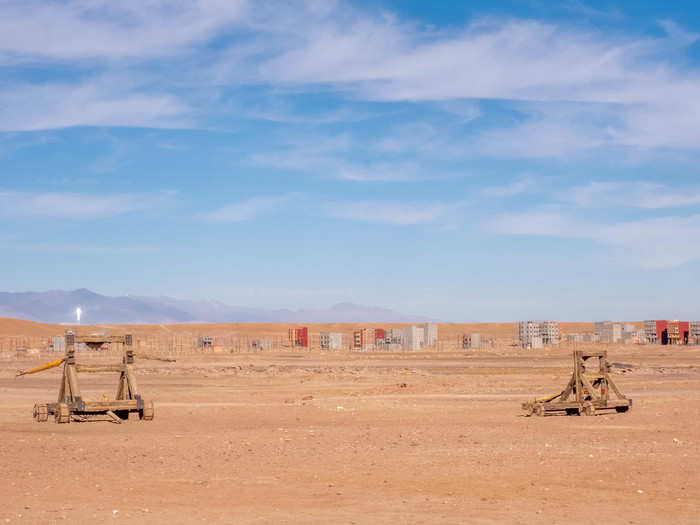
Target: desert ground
[[338, 437]]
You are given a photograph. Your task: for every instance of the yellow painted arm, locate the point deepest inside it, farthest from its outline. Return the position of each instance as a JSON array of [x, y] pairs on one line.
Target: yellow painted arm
[[546, 399], [47, 366]]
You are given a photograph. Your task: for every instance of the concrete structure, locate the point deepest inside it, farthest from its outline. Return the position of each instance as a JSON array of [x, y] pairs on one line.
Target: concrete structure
[[472, 341], [413, 338], [357, 340], [205, 341], [58, 344], [393, 336], [550, 333], [695, 331], [331, 341], [364, 339], [430, 335], [608, 332], [535, 334], [260, 344], [650, 332]]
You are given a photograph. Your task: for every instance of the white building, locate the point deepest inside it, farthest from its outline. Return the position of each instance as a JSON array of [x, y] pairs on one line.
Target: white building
[[413, 338], [650, 332], [331, 341], [58, 343], [431, 334], [393, 336], [695, 331], [549, 332], [475, 341], [535, 334]]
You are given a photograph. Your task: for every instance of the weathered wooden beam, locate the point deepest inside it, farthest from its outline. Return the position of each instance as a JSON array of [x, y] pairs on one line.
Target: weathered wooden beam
[[98, 368]]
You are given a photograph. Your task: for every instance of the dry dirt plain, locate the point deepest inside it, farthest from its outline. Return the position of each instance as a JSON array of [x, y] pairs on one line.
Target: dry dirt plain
[[359, 438]]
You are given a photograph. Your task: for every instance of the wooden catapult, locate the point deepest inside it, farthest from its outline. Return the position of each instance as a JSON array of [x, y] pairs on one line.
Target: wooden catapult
[[72, 406], [588, 390]]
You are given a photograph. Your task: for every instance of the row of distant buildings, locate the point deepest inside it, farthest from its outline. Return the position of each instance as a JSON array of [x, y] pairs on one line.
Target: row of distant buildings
[[536, 334], [409, 338]]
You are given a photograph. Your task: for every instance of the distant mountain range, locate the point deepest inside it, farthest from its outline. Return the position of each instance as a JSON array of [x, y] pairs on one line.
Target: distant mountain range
[[58, 306]]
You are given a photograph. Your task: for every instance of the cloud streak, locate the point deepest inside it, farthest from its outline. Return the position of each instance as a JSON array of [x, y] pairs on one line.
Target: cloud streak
[[633, 194], [640, 96], [397, 213], [249, 209], [76, 206], [656, 243]]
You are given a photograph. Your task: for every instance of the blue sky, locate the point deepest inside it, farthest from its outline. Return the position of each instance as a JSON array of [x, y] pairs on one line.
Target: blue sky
[[464, 160]]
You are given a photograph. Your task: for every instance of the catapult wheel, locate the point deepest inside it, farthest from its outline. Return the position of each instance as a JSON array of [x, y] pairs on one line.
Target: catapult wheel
[[148, 412], [538, 410], [62, 413], [41, 412], [588, 409]]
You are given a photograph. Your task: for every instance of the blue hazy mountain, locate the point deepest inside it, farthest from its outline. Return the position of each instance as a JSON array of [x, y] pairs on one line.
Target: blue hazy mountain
[[58, 306]]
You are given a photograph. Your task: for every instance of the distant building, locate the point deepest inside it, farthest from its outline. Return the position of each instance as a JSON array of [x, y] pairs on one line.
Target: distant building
[[628, 327], [205, 341], [298, 337], [608, 332], [58, 343], [472, 341], [668, 332], [574, 338], [365, 339], [430, 335], [260, 344], [413, 338], [535, 334], [393, 336], [379, 335], [331, 341], [695, 331], [650, 332]]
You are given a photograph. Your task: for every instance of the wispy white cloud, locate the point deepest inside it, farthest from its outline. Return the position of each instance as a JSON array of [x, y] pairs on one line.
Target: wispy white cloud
[[32, 30], [397, 213], [106, 101], [641, 96], [511, 189], [334, 157], [535, 223], [633, 194], [656, 243], [77, 206], [249, 209]]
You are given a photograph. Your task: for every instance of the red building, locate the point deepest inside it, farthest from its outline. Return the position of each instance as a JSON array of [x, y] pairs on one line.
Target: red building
[[672, 332], [299, 337], [379, 334], [303, 337]]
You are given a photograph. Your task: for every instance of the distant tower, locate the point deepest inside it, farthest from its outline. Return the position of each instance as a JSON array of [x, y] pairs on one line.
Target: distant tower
[[78, 313]]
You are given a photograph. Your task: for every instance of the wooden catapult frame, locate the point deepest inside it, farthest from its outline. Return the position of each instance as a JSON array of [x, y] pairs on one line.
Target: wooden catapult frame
[[71, 405], [590, 389]]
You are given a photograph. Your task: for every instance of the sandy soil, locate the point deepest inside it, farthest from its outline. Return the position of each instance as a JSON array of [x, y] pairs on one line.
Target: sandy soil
[[359, 438]]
